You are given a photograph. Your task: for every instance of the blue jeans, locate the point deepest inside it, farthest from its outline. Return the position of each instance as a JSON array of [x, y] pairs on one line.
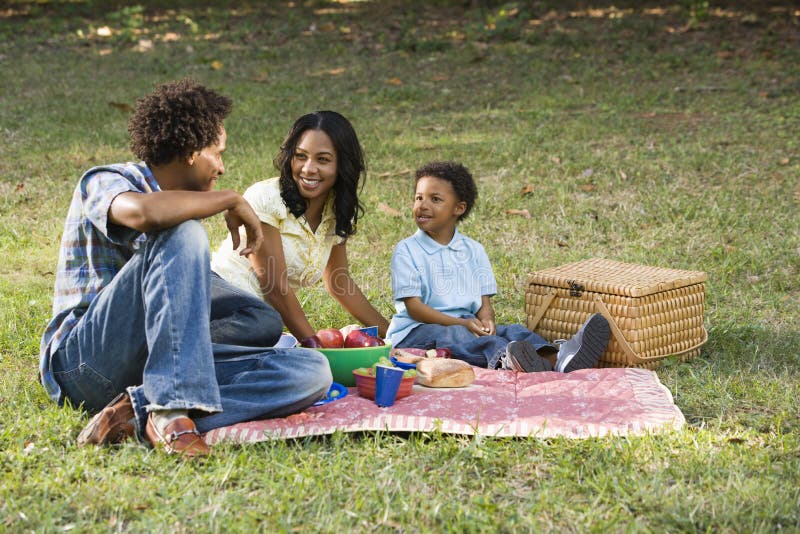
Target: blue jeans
[[149, 332], [480, 351], [240, 318]]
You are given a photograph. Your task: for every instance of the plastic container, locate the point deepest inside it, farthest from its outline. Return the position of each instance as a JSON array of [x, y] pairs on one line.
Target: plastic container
[[344, 361]]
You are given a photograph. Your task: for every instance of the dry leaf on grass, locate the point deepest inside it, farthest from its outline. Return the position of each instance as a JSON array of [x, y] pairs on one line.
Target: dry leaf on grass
[[216, 65], [527, 190], [388, 210], [336, 71], [393, 173], [394, 81], [588, 187], [555, 159], [122, 106], [522, 213]]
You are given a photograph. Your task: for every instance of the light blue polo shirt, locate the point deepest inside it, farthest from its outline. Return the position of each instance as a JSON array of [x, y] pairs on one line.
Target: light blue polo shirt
[[449, 278]]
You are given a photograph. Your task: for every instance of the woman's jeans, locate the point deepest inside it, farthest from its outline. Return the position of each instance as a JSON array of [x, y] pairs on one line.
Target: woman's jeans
[[177, 336], [480, 351]]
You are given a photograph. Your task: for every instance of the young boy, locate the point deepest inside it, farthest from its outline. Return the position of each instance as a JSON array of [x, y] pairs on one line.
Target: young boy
[[140, 323], [442, 283]]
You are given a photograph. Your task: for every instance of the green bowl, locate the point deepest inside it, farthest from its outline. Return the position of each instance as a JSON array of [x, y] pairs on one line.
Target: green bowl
[[343, 361]]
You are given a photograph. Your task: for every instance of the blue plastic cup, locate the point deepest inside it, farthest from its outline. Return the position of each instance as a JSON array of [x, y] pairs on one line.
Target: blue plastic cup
[[387, 382]]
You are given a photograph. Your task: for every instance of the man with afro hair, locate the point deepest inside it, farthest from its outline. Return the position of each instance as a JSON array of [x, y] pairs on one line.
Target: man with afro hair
[[143, 333]]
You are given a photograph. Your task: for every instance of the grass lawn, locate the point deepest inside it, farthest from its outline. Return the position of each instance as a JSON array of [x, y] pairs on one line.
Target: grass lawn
[[650, 132]]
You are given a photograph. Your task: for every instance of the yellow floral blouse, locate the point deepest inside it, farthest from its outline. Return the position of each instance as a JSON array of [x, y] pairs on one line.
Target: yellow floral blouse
[[306, 252]]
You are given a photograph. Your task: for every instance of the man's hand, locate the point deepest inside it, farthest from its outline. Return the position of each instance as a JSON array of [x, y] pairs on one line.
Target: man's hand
[[242, 214]]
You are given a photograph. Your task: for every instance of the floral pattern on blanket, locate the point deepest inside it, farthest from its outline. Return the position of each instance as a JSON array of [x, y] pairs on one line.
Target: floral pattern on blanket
[[592, 402]]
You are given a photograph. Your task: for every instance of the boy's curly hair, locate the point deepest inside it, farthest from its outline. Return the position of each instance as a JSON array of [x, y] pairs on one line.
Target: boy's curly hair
[[458, 176], [176, 119]]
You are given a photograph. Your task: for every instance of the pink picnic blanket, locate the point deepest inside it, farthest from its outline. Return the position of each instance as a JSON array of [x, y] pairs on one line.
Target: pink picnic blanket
[[591, 402]]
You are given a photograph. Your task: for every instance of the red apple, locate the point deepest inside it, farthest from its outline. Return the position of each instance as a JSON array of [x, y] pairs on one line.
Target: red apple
[[355, 339], [331, 338], [311, 342]]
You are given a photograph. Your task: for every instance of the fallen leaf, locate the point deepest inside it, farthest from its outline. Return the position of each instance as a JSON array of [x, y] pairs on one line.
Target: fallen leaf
[[555, 159], [393, 173], [216, 64], [736, 440], [527, 190], [122, 106], [336, 71], [327, 27], [440, 78], [763, 94], [525, 214], [784, 161], [388, 210], [562, 243], [144, 45], [19, 187], [261, 77], [171, 37], [395, 81], [588, 188], [623, 175]]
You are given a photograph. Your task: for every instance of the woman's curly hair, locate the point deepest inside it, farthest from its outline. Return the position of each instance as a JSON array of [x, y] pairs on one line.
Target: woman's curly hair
[[458, 176], [176, 119], [350, 168]]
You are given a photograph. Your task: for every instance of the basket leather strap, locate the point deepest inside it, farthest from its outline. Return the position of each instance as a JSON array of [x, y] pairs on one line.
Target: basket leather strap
[[626, 347], [540, 311]]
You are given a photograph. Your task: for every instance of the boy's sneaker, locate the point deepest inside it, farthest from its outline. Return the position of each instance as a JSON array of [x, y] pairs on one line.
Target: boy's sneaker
[[522, 356], [585, 347]]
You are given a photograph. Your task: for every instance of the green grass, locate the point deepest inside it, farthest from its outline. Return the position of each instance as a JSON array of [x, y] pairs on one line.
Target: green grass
[[688, 119]]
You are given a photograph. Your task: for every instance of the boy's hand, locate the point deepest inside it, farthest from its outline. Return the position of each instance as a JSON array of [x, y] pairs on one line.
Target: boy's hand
[[475, 326], [489, 326], [243, 215]]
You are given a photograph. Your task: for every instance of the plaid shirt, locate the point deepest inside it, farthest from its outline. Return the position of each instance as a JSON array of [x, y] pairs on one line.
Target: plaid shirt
[[92, 252]]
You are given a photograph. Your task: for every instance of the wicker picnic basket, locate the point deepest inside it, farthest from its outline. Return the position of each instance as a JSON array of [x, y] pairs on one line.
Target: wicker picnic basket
[[653, 312]]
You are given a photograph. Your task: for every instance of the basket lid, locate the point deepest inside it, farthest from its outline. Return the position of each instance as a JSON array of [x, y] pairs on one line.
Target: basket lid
[[615, 278]]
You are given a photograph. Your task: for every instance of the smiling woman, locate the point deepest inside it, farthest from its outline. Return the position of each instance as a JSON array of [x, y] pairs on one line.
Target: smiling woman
[[307, 215]]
